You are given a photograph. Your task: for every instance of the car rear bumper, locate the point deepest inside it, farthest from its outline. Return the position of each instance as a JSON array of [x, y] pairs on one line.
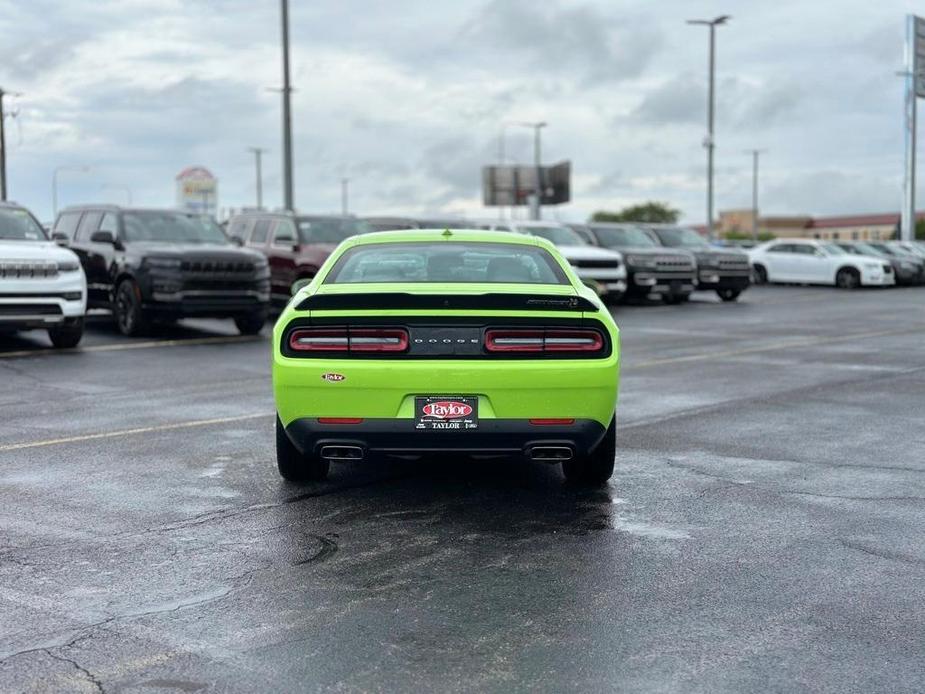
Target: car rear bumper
[[718, 279], [493, 437]]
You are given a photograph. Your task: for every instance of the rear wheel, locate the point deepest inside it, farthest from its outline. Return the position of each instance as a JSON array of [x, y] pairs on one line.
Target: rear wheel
[[127, 310], [251, 324], [67, 336], [847, 278], [596, 467], [728, 294], [293, 465], [759, 275]]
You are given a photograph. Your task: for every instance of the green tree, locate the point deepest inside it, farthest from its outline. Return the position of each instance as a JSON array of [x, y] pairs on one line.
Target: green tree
[[651, 212], [736, 235], [920, 230]]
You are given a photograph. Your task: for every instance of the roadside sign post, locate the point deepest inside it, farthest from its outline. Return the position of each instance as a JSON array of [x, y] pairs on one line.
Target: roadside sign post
[[915, 87]]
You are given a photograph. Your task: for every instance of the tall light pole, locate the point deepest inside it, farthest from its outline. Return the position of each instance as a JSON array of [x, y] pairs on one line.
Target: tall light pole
[[344, 186], [54, 184], [3, 186], [258, 154], [288, 202], [118, 186], [711, 104], [756, 153]]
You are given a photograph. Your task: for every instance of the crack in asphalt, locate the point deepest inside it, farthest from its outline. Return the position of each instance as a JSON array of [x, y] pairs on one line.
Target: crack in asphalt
[[731, 483], [89, 676], [328, 547], [882, 554]]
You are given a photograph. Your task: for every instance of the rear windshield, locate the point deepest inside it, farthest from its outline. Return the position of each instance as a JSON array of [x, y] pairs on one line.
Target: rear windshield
[[446, 262], [331, 229], [626, 237], [165, 226], [19, 225]]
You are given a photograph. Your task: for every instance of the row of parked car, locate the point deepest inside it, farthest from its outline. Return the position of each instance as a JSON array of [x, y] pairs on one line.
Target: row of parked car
[[159, 265]]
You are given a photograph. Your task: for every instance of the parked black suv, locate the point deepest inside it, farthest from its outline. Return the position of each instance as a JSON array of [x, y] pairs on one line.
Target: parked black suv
[[725, 271], [650, 268], [161, 265]]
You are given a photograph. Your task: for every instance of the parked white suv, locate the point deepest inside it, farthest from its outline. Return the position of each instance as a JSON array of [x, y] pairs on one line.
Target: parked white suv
[[601, 269], [804, 261], [41, 284]]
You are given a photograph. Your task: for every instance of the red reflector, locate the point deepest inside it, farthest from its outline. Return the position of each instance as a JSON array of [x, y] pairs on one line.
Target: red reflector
[[551, 422], [543, 341], [340, 420]]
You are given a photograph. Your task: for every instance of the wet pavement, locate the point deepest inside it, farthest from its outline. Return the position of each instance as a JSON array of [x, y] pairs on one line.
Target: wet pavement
[[763, 530]]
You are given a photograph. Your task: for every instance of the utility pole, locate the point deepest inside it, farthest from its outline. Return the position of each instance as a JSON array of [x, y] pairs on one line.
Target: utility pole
[[756, 153], [538, 194], [258, 153], [344, 184], [2, 149], [915, 47], [288, 201], [711, 106]]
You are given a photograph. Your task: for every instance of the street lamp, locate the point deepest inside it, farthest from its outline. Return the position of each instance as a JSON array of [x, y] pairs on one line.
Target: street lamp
[[288, 201], [258, 153], [708, 142], [755, 154], [54, 184], [117, 186], [537, 163]]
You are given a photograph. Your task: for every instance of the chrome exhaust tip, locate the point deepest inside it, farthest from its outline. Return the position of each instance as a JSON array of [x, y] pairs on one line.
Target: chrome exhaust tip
[[550, 454], [343, 453]]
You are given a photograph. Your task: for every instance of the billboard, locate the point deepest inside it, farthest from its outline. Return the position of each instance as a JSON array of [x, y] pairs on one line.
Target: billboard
[[197, 190], [509, 186]]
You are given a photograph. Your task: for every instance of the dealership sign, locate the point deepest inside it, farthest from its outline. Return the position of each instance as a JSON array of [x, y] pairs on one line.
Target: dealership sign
[[197, 190]]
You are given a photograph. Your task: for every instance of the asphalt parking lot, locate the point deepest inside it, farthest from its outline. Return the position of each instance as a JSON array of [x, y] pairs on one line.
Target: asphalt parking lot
[[763, 531]]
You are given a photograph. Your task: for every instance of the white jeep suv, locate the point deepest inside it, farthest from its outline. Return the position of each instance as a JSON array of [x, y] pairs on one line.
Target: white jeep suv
[[41, 284]]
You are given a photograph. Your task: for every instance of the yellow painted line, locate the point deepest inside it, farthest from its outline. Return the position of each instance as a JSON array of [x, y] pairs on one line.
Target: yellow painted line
[[808, 342], [132, 432], [119, 346]]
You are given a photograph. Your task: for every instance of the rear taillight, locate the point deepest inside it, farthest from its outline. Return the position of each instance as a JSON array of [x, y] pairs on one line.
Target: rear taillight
[[540, 340], [349, 340], [551, 422]]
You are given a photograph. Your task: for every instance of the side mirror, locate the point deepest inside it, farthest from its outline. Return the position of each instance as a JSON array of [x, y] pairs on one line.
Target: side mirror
[[60, 238], [103, 237]]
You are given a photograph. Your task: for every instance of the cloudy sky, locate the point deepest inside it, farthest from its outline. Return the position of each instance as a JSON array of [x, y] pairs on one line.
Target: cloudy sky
[[407, 98]]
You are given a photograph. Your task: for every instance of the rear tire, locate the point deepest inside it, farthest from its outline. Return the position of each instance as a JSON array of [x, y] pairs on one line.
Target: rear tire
[[251, 324], [847, 278], [67, 336], [293, 465], [129, 316], [594, 468], [728, 294]]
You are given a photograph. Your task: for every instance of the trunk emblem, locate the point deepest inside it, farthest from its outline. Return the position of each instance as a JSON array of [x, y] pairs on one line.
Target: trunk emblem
[[332, 377], [447, 409]]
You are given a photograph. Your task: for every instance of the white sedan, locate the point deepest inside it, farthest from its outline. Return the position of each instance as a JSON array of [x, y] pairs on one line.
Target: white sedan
[[806, 261]]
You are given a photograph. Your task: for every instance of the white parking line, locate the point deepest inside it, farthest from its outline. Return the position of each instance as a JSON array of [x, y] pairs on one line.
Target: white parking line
[[131, 432], [118, 346]]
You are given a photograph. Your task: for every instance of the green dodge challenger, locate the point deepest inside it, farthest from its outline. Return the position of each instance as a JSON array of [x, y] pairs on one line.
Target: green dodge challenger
[[409, 343]]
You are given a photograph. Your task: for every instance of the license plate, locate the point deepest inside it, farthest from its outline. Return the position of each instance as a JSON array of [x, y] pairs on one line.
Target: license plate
[[449, 412]]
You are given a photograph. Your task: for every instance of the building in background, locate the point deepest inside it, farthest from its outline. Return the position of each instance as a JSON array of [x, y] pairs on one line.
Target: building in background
[[862, 227], [197, 190]]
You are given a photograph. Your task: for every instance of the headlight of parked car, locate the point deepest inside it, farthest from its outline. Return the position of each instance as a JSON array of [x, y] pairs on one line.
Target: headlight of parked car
[[163, 263], [68, 266]]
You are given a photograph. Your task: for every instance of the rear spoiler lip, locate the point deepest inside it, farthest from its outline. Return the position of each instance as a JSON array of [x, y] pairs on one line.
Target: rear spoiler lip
[[404, 300]]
